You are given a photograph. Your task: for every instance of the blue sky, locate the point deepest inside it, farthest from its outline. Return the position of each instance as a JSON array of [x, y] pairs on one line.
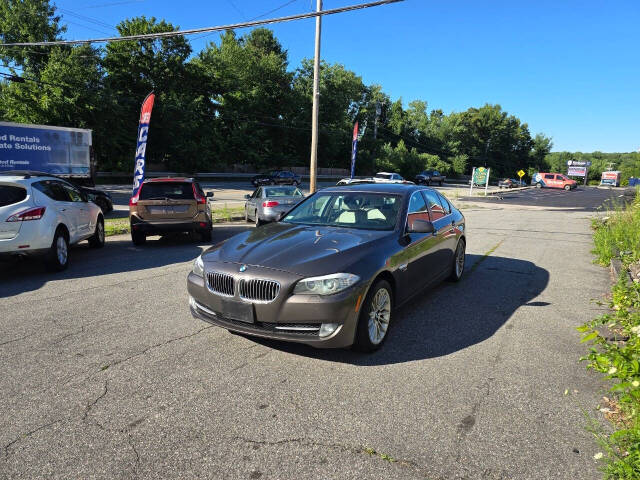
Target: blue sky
[[570, 69]]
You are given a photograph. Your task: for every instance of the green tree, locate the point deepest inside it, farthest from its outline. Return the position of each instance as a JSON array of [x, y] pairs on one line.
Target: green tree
[[135, 68], [28, 21], [250, 87], [342, 96]]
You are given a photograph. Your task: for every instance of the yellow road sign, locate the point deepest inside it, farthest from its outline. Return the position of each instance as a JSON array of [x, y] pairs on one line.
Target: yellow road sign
[[520, 173]]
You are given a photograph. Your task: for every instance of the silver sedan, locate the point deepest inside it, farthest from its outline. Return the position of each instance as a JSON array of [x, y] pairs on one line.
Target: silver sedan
[[268, 204]]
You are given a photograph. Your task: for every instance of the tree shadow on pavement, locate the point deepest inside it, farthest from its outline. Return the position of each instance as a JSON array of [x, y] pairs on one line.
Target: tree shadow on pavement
[[118, 256], [449, 317]]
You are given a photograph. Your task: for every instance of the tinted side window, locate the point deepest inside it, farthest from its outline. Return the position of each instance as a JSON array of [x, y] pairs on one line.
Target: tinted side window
[[73, 193], [417, 209], [548, 176], [435, 208], [445, 204], [559, 177], [52, 189], [10, 194]]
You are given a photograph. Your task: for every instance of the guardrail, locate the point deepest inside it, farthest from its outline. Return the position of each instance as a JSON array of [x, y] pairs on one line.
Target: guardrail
[[228, 176]]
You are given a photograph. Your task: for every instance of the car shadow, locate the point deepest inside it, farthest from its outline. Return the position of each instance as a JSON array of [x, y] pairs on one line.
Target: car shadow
[[117, 256], [449, 317]]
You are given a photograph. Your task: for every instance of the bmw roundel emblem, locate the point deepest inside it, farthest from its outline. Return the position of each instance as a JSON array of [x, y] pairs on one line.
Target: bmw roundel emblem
[[243, 268]]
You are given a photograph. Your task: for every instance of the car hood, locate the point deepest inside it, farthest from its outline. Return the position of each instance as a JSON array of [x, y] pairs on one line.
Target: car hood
[[300, 249]]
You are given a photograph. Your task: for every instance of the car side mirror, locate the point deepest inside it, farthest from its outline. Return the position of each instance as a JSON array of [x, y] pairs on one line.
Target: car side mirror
[[209, 194], [247, 196], [421, 226]]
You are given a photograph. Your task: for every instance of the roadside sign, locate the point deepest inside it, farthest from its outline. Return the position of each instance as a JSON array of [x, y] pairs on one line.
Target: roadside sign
[[577, 171], [577, 163], [520, 173], [480, 176]]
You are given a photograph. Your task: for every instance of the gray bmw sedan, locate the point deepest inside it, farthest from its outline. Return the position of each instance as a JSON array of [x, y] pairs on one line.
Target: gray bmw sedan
[[333, 270]]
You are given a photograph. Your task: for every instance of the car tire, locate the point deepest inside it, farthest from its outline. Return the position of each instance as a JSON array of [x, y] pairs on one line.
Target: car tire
[[246, 215], [457, 269], [58, 257], [97, 239], [271, 182], [296, 183], [567, 187], [258, 222], [375, 318], [538, 185], [440, 183], [138, 238], [428, 182]]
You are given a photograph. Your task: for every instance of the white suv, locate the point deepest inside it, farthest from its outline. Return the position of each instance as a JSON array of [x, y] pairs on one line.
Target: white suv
[[42, 214]]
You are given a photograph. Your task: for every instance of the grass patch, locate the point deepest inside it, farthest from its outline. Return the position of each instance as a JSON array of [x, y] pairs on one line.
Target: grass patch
[[618, 234], [614, 340], [383, 456], [116, 226], [119, 226], [227, 214]]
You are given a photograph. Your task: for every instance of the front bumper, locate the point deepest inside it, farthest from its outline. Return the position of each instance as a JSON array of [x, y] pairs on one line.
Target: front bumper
[[292, 318]]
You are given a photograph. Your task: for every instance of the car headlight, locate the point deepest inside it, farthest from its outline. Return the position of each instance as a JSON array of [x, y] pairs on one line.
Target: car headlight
[[327, 285], [198, 266]]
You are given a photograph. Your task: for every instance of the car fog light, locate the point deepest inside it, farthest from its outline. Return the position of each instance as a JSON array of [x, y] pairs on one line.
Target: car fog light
[[327, 329]]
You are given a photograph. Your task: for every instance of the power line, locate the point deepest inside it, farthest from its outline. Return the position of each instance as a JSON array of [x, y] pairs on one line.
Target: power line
[[235, 7], [87, 27], [15, 78], [85, 18], [233, 26], [274, 10], [251, 19], [101, 5]]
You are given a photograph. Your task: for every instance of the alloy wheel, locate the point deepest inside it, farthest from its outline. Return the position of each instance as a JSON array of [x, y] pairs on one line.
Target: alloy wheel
[[61, 250], [101, 232], [379, 316], [459, 260]]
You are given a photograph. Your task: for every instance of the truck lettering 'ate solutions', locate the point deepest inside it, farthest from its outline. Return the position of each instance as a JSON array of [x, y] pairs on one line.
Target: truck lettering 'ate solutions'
[[55, 150]]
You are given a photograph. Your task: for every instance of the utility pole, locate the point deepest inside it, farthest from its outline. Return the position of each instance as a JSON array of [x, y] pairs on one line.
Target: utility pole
[[316, 103], [375, 137]]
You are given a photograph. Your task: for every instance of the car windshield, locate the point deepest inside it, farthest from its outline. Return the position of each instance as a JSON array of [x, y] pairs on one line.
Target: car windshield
[[162, 190], [283, 192], [386, 176], [361, 210]]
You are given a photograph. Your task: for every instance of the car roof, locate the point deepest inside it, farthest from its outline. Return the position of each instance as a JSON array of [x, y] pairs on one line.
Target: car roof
[[168, 179], [26, 176], [392, 188]]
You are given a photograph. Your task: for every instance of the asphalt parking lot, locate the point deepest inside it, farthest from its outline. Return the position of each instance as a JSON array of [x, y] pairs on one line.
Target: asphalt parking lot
[[107, 375]]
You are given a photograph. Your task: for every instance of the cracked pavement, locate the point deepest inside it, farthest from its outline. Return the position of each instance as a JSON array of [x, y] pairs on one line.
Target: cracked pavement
[[106, 375]]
